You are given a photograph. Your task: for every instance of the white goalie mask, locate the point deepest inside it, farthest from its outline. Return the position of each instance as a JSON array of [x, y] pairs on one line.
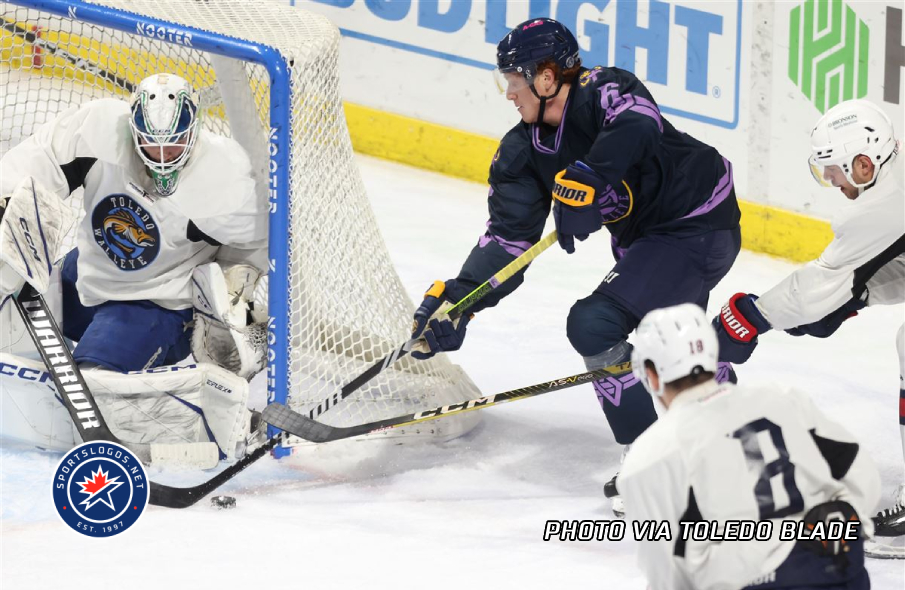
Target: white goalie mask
[[164, 123], [850, 129], [678, 340]]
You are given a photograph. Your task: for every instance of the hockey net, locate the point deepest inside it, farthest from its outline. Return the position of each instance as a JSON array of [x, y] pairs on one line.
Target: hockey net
[[345, 305]]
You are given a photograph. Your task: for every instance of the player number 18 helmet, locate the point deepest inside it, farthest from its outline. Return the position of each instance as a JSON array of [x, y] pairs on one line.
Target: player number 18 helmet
[[678, 340], [164, 123], [850, 129]]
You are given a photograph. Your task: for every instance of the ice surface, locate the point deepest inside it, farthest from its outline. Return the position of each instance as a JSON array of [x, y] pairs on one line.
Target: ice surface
[[469, 513]]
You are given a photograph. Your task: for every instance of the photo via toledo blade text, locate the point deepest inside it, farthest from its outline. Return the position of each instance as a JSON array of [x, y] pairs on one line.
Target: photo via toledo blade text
[[674, 229]]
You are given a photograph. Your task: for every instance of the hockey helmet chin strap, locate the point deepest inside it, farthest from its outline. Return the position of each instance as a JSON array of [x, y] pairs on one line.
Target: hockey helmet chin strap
[[544, 99], [877, 172]]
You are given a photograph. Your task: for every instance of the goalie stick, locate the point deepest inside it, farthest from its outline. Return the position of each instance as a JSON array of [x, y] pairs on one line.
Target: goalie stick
[[280, 416], [83, 409], [454, 312]]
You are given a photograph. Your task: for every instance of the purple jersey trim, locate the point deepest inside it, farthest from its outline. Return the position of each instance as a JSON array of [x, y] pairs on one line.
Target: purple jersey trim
[[618, 252], [615, 104], [513, 247], [535, 133], [722, 190]]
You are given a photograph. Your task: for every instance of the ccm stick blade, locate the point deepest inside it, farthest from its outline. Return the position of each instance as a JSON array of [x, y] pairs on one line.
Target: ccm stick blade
[[280, 416]]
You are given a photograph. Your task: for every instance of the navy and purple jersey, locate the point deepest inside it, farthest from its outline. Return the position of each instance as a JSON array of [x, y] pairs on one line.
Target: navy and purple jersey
[[661, 180]]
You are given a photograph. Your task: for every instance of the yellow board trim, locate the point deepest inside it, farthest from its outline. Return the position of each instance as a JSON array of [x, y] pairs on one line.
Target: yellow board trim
[[465, 155]]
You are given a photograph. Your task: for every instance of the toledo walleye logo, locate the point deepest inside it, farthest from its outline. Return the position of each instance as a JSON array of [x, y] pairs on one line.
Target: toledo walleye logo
[[126, 232], [100, 489]]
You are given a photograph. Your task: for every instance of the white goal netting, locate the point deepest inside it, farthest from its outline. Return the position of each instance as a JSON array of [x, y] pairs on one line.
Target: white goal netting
[[346, 305]]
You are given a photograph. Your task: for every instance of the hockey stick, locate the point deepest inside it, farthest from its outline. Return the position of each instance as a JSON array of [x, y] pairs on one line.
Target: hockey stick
[[454, 312], [76, 61], [82, 407], [66, 376], [280, 416]]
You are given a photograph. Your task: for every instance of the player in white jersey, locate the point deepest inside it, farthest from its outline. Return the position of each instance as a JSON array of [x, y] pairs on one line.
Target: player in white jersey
[[854, 149], [724, 453], [163, 199]]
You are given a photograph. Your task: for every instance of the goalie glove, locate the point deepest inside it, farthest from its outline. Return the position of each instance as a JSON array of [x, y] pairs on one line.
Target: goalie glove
[[229, 331]]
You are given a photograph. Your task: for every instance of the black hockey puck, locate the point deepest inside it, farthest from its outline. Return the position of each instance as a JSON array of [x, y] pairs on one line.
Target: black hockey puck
[[223, 502]]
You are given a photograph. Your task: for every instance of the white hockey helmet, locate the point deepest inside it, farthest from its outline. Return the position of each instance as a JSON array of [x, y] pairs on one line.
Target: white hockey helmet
[[164, 118], [678, 340], [850, 129]]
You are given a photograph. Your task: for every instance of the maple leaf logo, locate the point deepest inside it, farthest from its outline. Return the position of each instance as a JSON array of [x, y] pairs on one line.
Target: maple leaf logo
[[99, 483]]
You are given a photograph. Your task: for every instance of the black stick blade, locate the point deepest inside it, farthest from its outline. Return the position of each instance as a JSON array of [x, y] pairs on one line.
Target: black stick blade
[[278, 415]]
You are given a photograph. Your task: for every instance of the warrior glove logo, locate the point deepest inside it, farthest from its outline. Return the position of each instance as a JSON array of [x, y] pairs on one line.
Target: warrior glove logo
[[100, 489], [126, 232], [735, 323]]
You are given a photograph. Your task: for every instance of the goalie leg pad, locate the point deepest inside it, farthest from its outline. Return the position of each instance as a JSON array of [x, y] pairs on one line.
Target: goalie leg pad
[[174, 405]]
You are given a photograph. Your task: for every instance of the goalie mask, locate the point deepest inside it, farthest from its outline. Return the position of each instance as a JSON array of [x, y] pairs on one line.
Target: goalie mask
[[164, 123]]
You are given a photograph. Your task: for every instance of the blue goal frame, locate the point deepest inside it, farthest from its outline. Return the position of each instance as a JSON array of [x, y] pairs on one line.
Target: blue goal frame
[[279, 138]]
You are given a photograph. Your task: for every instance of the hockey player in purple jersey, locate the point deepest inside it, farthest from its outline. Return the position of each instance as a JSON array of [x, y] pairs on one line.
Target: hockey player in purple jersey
[[593, 144]]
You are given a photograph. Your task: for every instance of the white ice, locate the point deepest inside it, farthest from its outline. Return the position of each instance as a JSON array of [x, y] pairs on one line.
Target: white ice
[[470, 513]]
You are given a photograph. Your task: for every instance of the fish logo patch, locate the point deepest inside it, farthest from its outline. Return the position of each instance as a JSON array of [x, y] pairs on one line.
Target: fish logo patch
[[126, 232]]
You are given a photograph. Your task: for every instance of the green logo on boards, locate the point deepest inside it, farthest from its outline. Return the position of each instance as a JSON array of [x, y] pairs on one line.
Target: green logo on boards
[[828, 46]]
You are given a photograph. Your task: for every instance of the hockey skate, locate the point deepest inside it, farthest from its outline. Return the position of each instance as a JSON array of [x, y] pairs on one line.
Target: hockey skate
[[888, 541], [610, 491], [616, 503]]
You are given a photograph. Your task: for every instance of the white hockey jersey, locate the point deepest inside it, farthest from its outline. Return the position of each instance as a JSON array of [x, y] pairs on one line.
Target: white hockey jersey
[[134, 244], [868, 230], [722, 453]]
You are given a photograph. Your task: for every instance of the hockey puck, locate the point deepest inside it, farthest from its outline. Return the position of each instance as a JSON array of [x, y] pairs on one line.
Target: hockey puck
[[223, 502]]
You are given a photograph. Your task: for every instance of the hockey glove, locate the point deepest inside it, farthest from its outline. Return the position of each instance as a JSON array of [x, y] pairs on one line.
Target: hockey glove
[[575, 209], [436, 331], [737, 328], [828, 325], [820, 517]]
